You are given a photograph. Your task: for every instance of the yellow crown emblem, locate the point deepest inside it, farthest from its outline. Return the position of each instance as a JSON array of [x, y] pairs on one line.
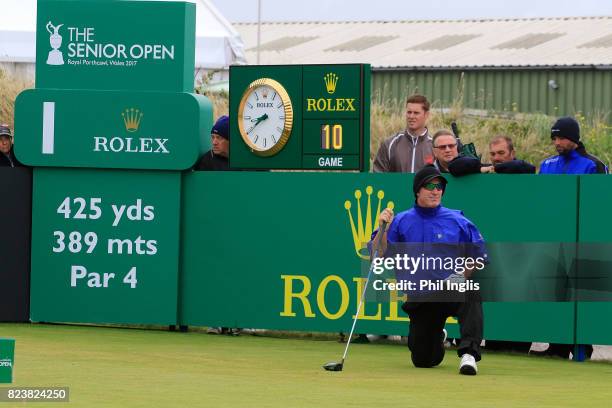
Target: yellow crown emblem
[[362, 232], [131, 119], [331, 80], [264, 93]]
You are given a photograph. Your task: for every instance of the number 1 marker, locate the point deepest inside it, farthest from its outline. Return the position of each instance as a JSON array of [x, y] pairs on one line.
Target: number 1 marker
[[48, 127]]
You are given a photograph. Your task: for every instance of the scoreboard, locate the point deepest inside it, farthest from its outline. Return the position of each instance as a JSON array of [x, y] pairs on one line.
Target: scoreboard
[[313, 117]]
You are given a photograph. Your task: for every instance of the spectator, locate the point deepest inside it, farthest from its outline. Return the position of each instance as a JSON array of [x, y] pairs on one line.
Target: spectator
[[217, 158], [409, 150], [7, 156], [572, 157], [444, 149], [503, 160]]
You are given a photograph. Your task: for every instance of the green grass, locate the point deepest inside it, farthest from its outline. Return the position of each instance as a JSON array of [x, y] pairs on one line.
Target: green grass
[[149, 368]]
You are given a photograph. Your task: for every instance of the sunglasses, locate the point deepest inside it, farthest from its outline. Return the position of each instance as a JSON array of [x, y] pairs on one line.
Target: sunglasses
[[433, 186], [448, 146]]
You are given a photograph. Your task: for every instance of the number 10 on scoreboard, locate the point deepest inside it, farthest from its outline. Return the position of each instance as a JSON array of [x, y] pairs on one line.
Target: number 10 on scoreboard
[[331, 137]]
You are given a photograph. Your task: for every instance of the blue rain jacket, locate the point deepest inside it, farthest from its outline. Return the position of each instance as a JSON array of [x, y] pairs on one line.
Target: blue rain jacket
[[435, 233], [575, 162]]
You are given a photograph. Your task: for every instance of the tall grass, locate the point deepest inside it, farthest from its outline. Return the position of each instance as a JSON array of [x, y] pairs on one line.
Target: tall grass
[[529, 132], [219, 100], [10, 87]]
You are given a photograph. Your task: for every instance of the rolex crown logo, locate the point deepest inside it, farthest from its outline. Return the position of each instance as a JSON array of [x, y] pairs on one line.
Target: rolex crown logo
[[331, 80], [363, 231], [264, 93], [131, 119]]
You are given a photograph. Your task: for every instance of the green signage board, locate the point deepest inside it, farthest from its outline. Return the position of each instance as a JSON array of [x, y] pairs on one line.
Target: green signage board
[[7, 360], [295, 261], [110, 129], [300, 117], [105, 246], [128, 45]]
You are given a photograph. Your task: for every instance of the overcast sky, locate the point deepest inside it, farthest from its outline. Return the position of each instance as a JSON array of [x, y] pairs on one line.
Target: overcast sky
[[357, 10]]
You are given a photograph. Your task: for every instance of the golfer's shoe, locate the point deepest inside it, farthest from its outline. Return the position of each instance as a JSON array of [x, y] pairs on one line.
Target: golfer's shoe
[[468, 365]]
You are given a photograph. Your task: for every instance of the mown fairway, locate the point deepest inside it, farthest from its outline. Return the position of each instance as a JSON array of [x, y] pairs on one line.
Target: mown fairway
[[148, 368]]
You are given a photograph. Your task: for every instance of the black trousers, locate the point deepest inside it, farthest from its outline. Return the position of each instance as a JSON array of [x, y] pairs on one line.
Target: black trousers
[[427, 320]]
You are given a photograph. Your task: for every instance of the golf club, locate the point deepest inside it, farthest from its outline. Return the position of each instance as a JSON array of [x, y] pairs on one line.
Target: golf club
[[335, 366]]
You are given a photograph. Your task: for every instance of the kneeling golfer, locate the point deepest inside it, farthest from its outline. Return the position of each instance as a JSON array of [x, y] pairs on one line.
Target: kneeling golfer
[[435, 231]]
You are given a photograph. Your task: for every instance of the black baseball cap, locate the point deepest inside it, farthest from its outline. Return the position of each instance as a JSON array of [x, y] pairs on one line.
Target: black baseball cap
[[425, 175]]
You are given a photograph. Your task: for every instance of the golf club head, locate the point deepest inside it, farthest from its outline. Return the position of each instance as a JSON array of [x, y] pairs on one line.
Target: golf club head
[[333, 366]]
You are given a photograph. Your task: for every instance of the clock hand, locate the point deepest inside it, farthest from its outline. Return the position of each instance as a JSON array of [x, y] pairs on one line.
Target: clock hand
[[258, 121]]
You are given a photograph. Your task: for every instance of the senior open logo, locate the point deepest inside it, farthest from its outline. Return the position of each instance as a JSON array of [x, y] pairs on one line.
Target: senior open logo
[[55, 56]]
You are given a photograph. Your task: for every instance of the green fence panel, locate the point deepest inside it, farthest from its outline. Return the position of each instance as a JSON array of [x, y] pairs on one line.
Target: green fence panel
[[595, 268], [277, 251]]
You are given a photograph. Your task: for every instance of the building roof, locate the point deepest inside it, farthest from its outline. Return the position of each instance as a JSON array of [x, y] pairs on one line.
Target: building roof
[[494, 43]]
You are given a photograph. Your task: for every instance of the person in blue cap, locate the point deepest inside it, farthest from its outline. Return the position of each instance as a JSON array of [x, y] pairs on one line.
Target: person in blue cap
[[573, 157], [438, 231], [217, 158]]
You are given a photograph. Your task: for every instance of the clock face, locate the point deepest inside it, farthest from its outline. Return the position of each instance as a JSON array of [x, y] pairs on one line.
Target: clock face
[[265, 117]]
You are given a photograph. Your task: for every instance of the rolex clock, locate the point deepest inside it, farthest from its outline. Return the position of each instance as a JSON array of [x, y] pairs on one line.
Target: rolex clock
[[265, 117]]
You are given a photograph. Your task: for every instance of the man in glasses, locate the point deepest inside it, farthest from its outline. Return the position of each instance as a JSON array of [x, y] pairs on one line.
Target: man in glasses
[[444, 149], [437, 231], [409, 150]]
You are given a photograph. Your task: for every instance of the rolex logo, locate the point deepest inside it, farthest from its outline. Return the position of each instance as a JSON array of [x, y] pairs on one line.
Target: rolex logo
[[131, 119], [331, 80], [363, 231]]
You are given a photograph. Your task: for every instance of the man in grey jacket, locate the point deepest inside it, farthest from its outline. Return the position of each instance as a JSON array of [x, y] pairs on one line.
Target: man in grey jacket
[[410, 150]]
